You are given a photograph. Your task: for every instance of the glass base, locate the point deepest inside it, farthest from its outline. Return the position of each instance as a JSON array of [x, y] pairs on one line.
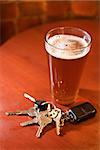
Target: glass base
[[67, 102]]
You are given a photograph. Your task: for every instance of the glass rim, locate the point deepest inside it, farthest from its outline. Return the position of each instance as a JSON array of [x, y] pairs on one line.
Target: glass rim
[[67, 27]]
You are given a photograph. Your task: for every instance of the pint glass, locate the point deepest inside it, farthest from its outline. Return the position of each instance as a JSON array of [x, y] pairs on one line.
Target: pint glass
[[67, 51]]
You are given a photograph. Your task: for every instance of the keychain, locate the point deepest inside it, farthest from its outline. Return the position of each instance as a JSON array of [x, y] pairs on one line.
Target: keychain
[[44, 113]]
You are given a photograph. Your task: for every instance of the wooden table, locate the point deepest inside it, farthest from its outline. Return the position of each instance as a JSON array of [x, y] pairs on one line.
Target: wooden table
[[23, 68]]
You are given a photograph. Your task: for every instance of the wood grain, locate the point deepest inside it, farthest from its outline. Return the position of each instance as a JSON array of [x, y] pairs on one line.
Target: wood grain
[[23, 68]]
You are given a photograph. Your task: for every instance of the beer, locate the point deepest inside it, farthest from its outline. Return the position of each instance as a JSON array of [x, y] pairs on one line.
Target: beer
[[66, 59]]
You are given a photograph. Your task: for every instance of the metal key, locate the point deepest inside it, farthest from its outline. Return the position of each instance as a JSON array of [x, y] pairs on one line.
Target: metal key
[[57, 120], [56, 114], [19, 112], [30, 112], [29, 97], [43, 121], [58, 127], [30, 122], [41, 104]]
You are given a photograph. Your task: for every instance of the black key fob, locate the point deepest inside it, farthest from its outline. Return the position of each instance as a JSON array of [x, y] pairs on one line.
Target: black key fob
[[81, 112]]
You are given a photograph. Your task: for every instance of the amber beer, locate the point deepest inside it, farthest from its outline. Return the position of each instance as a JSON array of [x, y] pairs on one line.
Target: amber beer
[[67, 54]]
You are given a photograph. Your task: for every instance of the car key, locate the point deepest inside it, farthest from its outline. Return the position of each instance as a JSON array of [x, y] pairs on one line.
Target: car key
[[81, 112], [41, 104]]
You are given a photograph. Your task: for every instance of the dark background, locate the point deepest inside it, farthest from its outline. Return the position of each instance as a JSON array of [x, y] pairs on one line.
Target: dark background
[[18, 15]]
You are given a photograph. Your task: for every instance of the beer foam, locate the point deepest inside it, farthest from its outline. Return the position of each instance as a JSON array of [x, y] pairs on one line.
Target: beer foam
[[67, 46]]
